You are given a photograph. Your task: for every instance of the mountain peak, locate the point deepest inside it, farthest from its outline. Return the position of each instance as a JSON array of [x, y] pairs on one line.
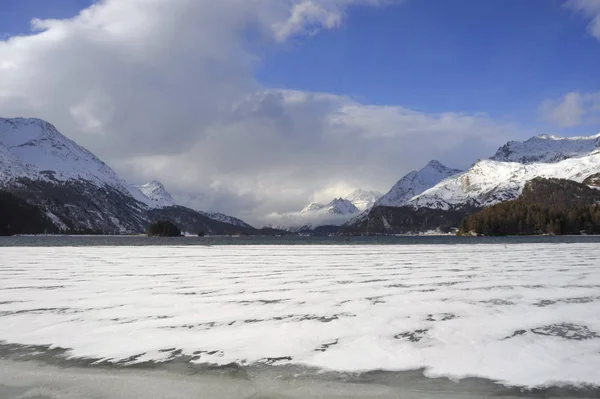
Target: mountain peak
[[434, 163], [416, 182], [363, 199], [157, 194], [313, 206], [341, 206]]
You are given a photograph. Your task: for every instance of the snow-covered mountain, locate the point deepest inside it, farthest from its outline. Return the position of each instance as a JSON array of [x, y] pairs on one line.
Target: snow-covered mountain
[[334, 213], [312, 207], [547, 149], [414, 183], [488, 181], [78, 191], [157, 195], [51, 156], [363, 199]]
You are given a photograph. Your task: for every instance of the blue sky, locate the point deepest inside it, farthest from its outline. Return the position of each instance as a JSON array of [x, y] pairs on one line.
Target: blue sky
[[499, 57]]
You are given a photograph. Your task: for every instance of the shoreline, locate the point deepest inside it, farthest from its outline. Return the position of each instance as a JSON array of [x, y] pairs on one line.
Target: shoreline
[[42, 379]]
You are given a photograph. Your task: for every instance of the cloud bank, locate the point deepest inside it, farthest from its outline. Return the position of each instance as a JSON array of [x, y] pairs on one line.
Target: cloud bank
[[166, 90], [573, 109]]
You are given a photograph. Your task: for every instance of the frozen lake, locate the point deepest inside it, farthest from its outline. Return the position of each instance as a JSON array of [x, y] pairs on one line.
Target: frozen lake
[[525, 315]]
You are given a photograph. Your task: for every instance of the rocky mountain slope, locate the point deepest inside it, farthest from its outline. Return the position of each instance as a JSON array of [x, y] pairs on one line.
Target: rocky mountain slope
[[78, 192]]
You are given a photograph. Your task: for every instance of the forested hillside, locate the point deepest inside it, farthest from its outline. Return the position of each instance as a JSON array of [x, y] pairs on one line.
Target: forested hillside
[[546, 206]]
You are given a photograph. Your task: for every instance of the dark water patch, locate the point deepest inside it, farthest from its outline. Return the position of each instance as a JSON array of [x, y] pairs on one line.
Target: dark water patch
[[413, 336], [40, 311], [498, 302], [567, 331], [327, 345], [548, 302], [441, 317], [275, 360], [516, 334], [375, 299], [111, 241], [34, 287]]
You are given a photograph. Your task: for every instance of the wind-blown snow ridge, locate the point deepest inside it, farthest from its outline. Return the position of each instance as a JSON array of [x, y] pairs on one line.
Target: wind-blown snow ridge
[[493, 311], [488, 182], [415, 182], [547, 149]]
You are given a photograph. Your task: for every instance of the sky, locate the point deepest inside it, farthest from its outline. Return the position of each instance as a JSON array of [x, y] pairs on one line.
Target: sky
[[254, 107]]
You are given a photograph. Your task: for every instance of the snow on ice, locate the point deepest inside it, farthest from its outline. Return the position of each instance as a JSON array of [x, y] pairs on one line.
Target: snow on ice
[[524, 314]]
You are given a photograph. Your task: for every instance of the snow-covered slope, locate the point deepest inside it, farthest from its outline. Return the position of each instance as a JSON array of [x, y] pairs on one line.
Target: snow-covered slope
[[414, 183], [42, 148], [312, 207], [157, 195], [339, 206], [488, 182], [547, 149], [363, 199]]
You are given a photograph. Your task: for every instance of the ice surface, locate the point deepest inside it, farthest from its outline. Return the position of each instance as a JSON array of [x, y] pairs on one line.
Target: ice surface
[[525, 314]]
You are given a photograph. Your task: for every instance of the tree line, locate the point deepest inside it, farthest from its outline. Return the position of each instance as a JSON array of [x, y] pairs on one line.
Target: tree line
[[546, 206]]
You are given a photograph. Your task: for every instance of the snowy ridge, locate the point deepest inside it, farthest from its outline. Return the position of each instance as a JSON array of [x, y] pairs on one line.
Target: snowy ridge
[[157, 195], [488, 182], [363, 199], [313, 206], [415, 182], [39, 146], [547, 149], [486, 310]]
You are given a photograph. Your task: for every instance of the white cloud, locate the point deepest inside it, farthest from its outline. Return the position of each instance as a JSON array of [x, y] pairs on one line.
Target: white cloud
[[165, 89], [589, 8], [573, 109]]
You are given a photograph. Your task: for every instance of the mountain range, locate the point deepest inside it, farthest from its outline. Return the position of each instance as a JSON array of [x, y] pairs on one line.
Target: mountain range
[[81, 194], [334, 213], [437, 197], [78, 193]]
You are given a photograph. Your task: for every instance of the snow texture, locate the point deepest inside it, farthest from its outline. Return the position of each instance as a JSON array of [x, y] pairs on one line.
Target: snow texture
[[524, 314], [415, 182]]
